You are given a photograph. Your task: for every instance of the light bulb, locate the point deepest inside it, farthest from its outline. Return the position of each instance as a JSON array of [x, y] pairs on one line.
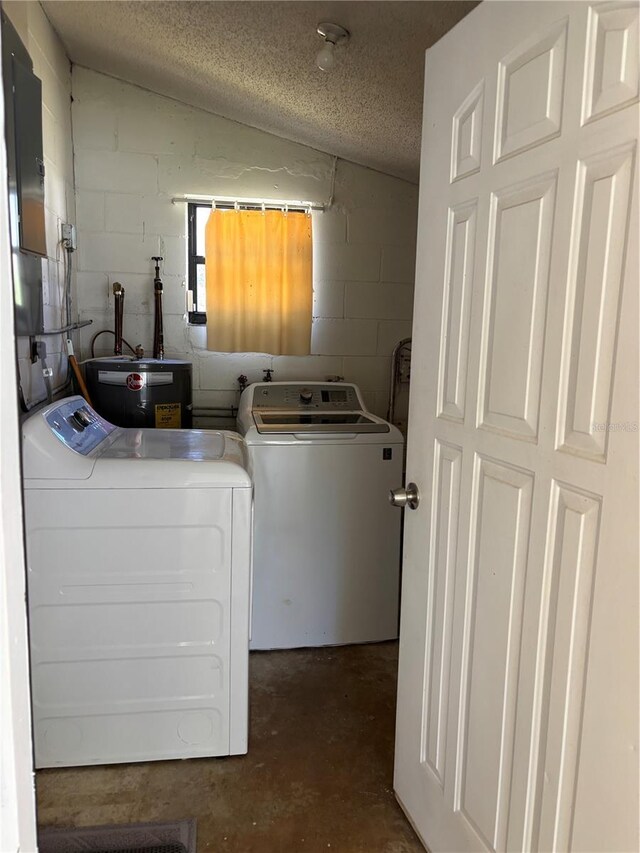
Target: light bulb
[[325, 59]]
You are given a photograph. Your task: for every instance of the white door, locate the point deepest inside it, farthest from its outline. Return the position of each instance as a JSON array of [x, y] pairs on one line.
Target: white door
[[518, 685]]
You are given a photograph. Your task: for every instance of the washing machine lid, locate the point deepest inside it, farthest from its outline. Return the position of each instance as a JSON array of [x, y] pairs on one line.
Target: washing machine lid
[[309, 412], [165, 444], [172, 458], [317, 423]]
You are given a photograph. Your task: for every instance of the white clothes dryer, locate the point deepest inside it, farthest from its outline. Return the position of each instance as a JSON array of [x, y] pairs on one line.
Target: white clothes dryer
[[326, 540], [138, 570]]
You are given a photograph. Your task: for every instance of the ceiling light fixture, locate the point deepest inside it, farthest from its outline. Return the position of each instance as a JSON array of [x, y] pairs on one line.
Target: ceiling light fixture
[[332, 34]]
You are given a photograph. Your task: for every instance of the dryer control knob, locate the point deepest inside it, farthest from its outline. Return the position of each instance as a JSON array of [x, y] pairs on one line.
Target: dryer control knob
[[83, 417], [306, 395]]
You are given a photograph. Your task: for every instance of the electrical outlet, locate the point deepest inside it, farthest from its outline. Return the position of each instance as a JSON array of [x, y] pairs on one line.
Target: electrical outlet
[[69, 237]]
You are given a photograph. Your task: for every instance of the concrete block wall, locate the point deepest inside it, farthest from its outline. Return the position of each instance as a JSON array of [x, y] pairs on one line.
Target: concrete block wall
[[51, 65], [135, 151]]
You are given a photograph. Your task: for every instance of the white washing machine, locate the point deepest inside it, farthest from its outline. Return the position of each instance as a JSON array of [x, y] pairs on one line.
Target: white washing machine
[[326, 540], [138, 556]]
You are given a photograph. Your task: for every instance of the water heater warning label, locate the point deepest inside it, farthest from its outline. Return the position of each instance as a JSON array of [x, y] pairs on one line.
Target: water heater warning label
[[168, 415]]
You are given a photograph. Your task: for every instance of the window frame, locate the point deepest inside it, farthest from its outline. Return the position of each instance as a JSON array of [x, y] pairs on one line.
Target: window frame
[[197, 317]]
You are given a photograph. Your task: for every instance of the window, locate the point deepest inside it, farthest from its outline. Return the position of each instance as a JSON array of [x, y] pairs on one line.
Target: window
[[197, 219], [250, 275]]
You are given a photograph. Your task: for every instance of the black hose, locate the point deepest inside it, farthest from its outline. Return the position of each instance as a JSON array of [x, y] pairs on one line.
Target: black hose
[[107, 332]]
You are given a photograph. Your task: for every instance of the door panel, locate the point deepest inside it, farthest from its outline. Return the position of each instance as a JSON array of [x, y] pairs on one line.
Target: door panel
[[520, 230], [460, 252], [599, 233], [466, 143], [611, 81], [530, 92], [518, 679], [501, 517], [573, 530], [446, 507]]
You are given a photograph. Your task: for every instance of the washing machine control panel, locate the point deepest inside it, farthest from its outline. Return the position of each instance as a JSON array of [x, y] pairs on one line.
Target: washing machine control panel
[[77, 426], [333, 396]]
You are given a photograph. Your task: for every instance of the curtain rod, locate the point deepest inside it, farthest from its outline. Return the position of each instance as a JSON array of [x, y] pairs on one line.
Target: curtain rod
[[230, 203]]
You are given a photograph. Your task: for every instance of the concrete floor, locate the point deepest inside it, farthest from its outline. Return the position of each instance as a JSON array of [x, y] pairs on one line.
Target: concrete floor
[[318, 774]]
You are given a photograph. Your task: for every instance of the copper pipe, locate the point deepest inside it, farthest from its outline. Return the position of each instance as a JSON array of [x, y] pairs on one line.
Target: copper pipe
[[158, 332], [118, 293]]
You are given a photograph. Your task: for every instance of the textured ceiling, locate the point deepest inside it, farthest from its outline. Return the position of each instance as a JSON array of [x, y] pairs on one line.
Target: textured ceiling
[[255, 62]]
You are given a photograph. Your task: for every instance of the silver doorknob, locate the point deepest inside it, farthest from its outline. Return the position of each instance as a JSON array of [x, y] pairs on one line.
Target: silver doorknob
[[405, 497]]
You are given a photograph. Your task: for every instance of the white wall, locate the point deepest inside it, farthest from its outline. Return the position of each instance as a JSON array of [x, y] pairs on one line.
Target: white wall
[[135, 150], [51, 65]]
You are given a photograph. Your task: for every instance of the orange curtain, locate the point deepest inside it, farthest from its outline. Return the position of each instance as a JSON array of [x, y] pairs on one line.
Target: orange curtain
[[259, 281]]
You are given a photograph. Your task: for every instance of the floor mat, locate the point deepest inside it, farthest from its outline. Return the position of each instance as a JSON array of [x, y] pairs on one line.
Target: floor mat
[[170, 837]]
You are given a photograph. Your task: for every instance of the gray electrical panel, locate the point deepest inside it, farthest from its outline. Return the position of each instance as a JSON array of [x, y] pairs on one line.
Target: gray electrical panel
[[27, 106], [25, 167]]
